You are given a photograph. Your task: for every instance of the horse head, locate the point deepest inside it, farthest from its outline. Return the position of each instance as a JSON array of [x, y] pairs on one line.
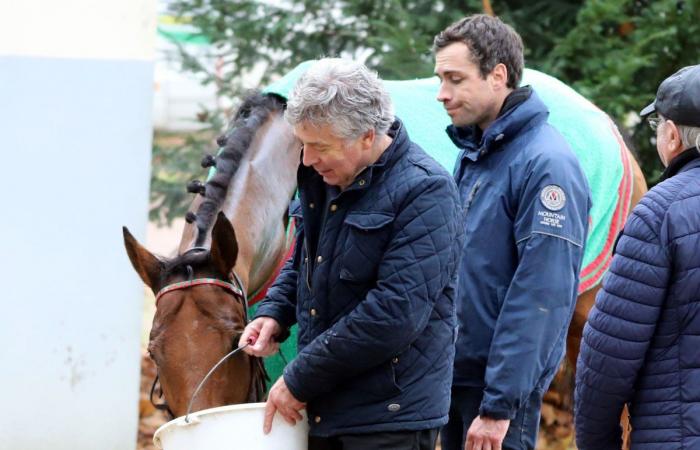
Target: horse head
[[199, 317]]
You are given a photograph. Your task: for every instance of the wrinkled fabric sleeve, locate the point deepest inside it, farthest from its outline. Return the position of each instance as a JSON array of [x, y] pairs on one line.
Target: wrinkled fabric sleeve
[[619, 329], [528, 338], [418, 264]]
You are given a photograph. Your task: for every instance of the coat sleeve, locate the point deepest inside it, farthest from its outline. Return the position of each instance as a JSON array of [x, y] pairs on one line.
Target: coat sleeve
[[550, 227], [419, 262], [281, 299], [619, 329]]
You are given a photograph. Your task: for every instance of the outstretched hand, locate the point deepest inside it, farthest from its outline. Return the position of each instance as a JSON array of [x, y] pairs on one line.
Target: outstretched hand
[[281, 400]]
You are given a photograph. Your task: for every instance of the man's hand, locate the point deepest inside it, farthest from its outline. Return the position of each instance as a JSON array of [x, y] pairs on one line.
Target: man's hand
[[486, 434], [260, 333], [281, 400]]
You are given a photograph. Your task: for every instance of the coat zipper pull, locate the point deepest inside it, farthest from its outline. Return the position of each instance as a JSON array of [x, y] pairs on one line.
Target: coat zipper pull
[[472, 194]]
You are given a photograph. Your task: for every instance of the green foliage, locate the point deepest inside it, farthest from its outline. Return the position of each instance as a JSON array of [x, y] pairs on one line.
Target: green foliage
[[615, 52], [176, 161], [620, 51]]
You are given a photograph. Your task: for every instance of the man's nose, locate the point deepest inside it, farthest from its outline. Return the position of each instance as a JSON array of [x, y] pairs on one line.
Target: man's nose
[[308, 157], [443, 94]]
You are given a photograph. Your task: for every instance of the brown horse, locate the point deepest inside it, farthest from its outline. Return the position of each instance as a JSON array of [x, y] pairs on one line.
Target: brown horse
[[201, 310]]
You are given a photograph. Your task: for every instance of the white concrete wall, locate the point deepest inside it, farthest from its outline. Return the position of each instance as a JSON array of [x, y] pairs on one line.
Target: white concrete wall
[[76, 80]]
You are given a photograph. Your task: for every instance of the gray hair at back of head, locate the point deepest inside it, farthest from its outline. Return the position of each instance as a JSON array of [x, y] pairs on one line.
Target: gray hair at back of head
[[690, 136], [343, 94]]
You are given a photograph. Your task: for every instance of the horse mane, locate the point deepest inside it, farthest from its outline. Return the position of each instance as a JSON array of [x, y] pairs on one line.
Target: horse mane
[[235, 142], [193, 259]]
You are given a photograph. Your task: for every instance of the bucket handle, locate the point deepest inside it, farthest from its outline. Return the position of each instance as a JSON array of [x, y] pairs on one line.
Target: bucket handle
[[206, 377]]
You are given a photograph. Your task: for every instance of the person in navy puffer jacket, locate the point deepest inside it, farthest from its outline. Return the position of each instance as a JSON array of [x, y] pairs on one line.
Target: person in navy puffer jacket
[[373, 277], [641, 345]]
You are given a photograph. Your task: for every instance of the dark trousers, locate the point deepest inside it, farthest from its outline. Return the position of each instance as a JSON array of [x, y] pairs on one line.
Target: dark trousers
[[392, 440], [522, 432]]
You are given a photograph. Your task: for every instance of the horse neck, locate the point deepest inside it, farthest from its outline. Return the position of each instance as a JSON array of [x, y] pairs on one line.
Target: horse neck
[[258, 199]]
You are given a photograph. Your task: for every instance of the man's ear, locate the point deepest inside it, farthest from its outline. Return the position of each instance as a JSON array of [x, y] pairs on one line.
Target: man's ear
[[368, 138], [499, 76], [673, 139]]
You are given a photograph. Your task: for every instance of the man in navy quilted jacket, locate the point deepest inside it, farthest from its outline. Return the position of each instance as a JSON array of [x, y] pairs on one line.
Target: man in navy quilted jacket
[[373, 277], [527, 203], [641, 344]]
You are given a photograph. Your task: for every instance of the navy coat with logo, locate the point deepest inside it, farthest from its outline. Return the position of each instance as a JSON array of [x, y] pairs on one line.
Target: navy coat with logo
[[641, 344], [373, 289], [527, 202]]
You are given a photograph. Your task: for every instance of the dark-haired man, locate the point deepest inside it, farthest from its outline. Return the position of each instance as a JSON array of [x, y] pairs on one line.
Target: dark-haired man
[[527, 203]]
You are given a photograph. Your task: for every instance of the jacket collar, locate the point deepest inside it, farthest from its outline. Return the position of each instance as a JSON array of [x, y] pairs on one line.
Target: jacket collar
[[308, 176], [681, 163], [520, 109]]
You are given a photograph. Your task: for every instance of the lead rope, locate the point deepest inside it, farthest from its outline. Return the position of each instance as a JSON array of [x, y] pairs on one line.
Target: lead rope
[[159, 406]]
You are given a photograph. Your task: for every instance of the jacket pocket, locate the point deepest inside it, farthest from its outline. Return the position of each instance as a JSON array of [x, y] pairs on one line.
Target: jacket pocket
[[367, 239], [377, 383]]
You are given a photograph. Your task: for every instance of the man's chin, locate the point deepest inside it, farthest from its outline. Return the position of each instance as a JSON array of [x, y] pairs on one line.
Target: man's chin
[[459, 121], [330, 180]]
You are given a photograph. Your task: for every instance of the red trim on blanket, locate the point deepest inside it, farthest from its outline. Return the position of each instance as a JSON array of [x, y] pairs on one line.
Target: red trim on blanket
[[288, 254], [624, 190]]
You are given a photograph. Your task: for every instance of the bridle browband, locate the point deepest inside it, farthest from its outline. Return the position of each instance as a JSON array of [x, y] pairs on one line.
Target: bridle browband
[[235, 290]]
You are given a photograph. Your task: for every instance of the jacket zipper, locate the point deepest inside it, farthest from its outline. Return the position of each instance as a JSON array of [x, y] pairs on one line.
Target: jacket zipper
[[308, 262], [471, 196]]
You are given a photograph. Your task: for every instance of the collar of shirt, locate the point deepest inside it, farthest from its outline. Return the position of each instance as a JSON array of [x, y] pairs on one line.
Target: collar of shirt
[[511, 118]]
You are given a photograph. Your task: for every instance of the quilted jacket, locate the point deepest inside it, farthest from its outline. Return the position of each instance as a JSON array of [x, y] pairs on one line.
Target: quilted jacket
[[372, 286], [527, 203], [641, 344]]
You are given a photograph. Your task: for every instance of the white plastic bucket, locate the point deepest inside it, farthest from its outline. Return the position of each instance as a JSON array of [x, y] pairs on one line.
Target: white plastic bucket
[[233, 427]]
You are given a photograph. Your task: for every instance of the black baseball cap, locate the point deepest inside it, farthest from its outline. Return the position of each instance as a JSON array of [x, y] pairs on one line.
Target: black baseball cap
[[678, 98]]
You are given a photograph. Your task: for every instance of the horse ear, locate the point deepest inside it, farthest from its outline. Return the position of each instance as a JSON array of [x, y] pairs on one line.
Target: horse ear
[[224, 247], [147, 266]]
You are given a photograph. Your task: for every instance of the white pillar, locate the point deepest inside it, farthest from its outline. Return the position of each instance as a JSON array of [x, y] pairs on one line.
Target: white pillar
[[75, 137]]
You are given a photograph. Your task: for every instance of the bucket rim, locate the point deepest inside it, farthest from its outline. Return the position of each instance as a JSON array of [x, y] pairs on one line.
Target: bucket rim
[[196, 417]]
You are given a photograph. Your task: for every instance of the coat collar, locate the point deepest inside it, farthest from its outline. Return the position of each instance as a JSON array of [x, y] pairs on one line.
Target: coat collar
[[681, 163], [521, 109]]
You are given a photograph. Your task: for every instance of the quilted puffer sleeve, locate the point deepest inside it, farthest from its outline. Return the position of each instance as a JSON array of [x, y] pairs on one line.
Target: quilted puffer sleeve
[[619, 329], [418, 264]]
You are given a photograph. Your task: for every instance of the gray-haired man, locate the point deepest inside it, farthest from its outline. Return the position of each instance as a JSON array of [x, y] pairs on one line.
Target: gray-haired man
[[372, 279]]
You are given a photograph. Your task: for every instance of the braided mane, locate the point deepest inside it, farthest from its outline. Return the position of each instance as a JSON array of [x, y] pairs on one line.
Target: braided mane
[[235, 142]]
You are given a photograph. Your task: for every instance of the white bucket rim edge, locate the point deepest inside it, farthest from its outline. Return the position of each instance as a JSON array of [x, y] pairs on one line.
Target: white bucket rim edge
[[195, 418]]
